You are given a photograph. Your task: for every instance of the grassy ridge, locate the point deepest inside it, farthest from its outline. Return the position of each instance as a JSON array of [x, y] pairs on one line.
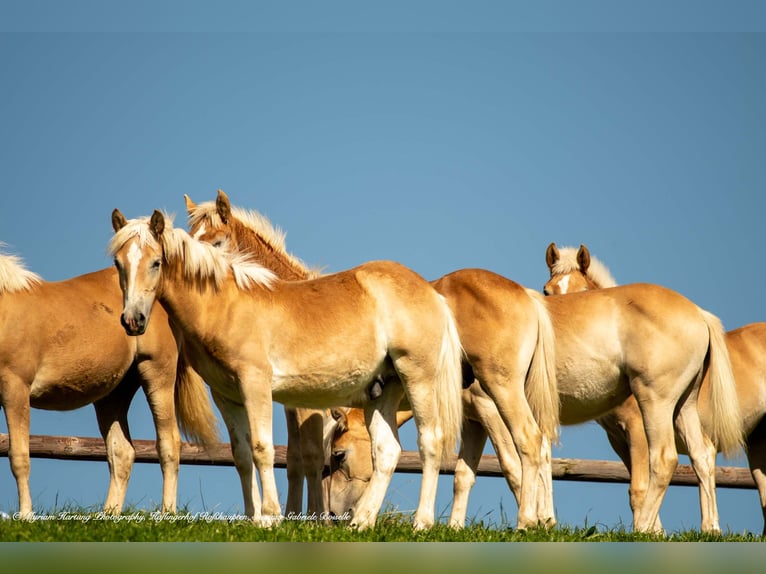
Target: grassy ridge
[[142, 526]]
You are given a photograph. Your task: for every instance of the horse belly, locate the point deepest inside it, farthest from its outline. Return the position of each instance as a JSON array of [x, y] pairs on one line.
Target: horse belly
[[324, 389], [77, 384], [589, 391]]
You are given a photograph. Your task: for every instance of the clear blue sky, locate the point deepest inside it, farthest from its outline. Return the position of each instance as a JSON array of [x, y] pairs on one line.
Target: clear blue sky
[[436, 137]]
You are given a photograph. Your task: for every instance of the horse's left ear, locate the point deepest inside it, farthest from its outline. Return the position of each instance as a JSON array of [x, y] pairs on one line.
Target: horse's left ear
[[551, 256], [223, 206], [583, 259], [157, 223], [118, 220], [189, 203]]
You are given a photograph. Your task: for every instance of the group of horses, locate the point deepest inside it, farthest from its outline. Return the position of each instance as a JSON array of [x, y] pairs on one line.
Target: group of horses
[[353, 355]]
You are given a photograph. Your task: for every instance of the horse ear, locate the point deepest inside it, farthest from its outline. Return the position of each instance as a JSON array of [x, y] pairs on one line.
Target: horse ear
[[223, 206], [157, 223], [189, 203], [339, 414], [583, 259], [552, 255], [118, 220]]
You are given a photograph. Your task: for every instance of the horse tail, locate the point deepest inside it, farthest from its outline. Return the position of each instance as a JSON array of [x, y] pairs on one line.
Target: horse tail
[[727, 433], [449, 381], [541, 387], [194, 411]]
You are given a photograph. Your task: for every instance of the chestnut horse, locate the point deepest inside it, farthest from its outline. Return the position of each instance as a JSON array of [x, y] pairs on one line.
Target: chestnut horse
[[61, 347], [315, 343], [513, 357], [639, 339], [573, 270], [308, 430]]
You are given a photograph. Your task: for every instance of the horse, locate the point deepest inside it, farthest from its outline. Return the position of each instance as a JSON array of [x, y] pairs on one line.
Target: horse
[[637, 340], [61, 348], [573, 270], [514, 362], [314, 343], [308, 430]]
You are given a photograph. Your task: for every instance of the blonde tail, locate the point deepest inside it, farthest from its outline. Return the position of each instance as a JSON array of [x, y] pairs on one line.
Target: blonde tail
[[449, 382], [194, 411], [541, 386], [727, 433]]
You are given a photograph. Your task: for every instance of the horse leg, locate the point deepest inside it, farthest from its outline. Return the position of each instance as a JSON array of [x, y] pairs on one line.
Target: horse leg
[[502, 441], [702, 453], [472, 443], [515, 412], [15, 396], [625, 430], [294, 468], [756, 458], [257, 400], [380, 419], [159, 380], [311, 425], [112, 417], [235, 419], [657, 415]]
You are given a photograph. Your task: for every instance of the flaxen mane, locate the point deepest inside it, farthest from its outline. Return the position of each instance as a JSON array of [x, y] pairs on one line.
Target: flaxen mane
[[268, 241], [597, 271], [14, 276], [198, 260]]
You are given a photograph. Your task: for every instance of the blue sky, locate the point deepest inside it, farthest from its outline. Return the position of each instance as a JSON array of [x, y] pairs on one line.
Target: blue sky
[[446, 142]]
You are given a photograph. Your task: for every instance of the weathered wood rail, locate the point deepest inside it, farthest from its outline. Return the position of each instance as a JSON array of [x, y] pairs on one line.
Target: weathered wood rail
[[87, 448]]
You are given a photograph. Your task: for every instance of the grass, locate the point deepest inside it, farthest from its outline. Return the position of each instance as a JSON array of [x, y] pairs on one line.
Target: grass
[[76, 525]]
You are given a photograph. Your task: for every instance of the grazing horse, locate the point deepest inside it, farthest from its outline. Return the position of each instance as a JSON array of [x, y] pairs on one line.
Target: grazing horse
[[308, 430], [513, 357], [61, 347], [573, 270], [639, 339], [315, 343]]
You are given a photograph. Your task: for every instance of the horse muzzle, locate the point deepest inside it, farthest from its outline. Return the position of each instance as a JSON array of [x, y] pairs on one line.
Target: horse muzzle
[[134, 324]]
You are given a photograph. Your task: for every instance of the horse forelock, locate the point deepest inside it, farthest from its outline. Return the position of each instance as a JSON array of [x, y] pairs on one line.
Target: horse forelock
[[597, 271], [14, 276]]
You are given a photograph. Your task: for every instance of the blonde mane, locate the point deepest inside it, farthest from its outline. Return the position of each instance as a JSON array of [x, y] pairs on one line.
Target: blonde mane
[[597, 271], [14, 276], [198, 260], [268, 235]]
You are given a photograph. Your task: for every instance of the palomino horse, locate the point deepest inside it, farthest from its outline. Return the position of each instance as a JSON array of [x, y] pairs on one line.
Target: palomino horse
[[61, 347], [314, 343], [514, 362], [308, 430], [574, 270], [639, 339]]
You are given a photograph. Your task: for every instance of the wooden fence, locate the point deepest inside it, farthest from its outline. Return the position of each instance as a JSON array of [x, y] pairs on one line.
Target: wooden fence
[[86, 448]]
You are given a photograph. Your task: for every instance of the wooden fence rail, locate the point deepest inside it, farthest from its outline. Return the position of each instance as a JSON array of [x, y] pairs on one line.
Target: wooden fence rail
[[86, 448]]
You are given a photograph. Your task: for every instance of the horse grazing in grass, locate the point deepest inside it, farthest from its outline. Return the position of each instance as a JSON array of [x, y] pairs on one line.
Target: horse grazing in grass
[[314, 343], [641, 340], [514, 362], [308, 430], [62, 347], [573, 270]]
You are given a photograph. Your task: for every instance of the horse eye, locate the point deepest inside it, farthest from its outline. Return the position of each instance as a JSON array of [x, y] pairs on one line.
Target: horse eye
[[156, 264], [218, 244]]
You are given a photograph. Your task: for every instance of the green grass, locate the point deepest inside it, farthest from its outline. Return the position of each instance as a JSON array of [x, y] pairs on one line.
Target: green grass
[[73, 525]]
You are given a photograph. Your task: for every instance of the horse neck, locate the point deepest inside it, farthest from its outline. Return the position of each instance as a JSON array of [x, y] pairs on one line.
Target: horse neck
[[185, 300], [272, 257]]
